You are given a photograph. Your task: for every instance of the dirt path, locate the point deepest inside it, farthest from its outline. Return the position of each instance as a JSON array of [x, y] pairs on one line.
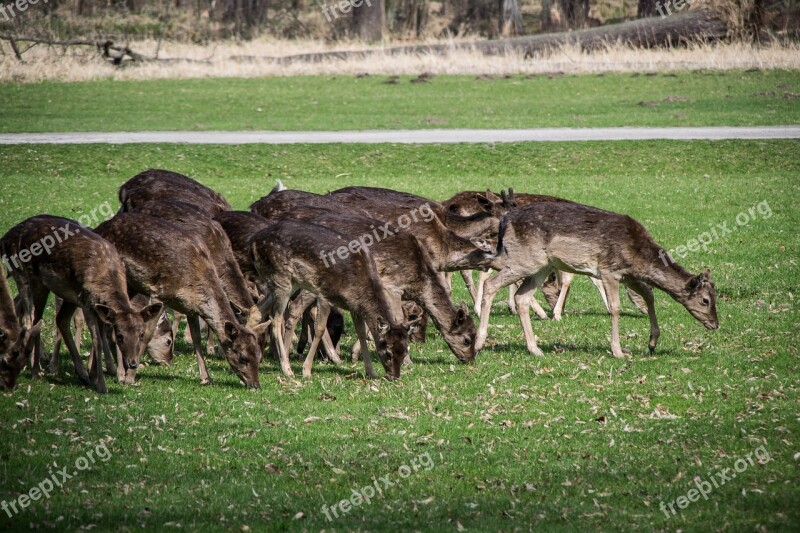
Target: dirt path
[[404, 136]]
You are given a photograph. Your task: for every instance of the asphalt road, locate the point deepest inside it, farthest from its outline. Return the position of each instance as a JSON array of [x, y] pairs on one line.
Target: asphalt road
[[404, 136]]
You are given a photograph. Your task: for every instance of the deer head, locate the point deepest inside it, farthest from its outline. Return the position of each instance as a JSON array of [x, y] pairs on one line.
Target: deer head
[[242, 353], [161, 344], [461, 335], [129, 328], [392, 345], [12, 363], [701, 299]]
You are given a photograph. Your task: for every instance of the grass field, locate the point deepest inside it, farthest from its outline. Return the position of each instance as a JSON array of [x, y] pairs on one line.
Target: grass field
[[729, 98], [574, 440]]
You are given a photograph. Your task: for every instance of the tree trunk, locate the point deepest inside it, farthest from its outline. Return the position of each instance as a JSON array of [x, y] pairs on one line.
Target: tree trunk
[[512, 19], [86, 8], [646, 8], [369, 20]]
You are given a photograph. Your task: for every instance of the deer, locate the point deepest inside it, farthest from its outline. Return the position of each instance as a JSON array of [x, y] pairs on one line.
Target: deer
[[58, 255], [166, 262], [240, 227], [406, 271], [157, 184], [286, 257], [158, 335], [556, 287], [14, 338], [615, 248]]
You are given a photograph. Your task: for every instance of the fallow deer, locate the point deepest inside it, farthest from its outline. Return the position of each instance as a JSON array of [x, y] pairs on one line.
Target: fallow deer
[[548, 236], [405, 270], [157, 184], [14, 338], [166, 262], [241, 227], [286, 257], [59, 255]]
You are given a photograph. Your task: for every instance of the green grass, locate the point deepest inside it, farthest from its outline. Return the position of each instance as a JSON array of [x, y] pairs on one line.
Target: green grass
[[731, 98], [565, 441]]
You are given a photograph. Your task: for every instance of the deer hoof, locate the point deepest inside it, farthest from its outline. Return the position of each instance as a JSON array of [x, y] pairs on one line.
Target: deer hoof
[[102, 389], [206, 381]]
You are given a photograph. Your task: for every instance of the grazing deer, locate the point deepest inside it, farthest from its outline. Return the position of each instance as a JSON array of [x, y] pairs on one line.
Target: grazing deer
[[156, 185], [160, 341], [287, 257], [58, 255], [166, 262], [14, 338], [406, 271], [548, 236], [241, 226], [556, 287]]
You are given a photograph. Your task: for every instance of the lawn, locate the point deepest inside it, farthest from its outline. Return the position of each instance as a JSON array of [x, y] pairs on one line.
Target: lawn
[[714, 98], [574, 440]]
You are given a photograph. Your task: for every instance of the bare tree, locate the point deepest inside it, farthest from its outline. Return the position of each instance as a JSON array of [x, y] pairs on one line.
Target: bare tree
[[369, 20]]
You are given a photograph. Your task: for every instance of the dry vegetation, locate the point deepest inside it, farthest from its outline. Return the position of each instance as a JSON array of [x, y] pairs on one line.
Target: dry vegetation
[[252, 59]]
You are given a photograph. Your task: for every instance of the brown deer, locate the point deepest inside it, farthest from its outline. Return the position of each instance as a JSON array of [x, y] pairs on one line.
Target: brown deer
[[556, 287], [167, 263], [405, 270], [548, 236], [241, 226], [14, 338], [156, 184], [160, 341], [58, 255], [287, 257]]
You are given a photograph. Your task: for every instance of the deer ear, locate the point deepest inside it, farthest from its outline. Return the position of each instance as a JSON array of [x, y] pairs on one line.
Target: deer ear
[[258, 329], [105, 313], [696, 282], [383, 326], [231, 331], [152, 311], [462, 314], [240, 313], [707, 275], [484, 202]]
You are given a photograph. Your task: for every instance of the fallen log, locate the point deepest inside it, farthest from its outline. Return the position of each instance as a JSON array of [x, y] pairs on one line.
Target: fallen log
[[675, 30]]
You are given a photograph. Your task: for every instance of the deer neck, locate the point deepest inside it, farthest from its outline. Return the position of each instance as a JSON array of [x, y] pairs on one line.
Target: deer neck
[[670, 278]]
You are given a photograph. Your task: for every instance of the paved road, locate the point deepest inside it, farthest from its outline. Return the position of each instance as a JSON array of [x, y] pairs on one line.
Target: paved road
[[403, 136]]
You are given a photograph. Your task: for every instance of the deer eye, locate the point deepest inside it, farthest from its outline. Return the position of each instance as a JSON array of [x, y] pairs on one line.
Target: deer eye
[[168, 342], [120, 339], [243, 359], [467, 341], [705, 301]]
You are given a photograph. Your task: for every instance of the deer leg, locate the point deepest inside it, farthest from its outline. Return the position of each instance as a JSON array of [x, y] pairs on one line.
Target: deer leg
[[306, 331], [95, 366], [482, 277], [611, 286], [566, 282], [323, 310], [646, 293], [40, 294], [109, 346], [193, 321], [466, 275], [330, 349], [494, 284], [294, 313], [63, 318], [355, 350], [512, 305], [523, 298], [361, 331], [448, 281], [279, 304], [176, 322], [637, 300], [599, 284]]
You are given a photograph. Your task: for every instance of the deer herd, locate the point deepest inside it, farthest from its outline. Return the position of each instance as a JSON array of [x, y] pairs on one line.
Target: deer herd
[[384, 256]]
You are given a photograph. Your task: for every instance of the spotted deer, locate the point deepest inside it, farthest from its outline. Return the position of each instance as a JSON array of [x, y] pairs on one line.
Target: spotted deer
[[167, 263], [58, 255], [548, 236], [14, 338], [406, 271], [287, 257]]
